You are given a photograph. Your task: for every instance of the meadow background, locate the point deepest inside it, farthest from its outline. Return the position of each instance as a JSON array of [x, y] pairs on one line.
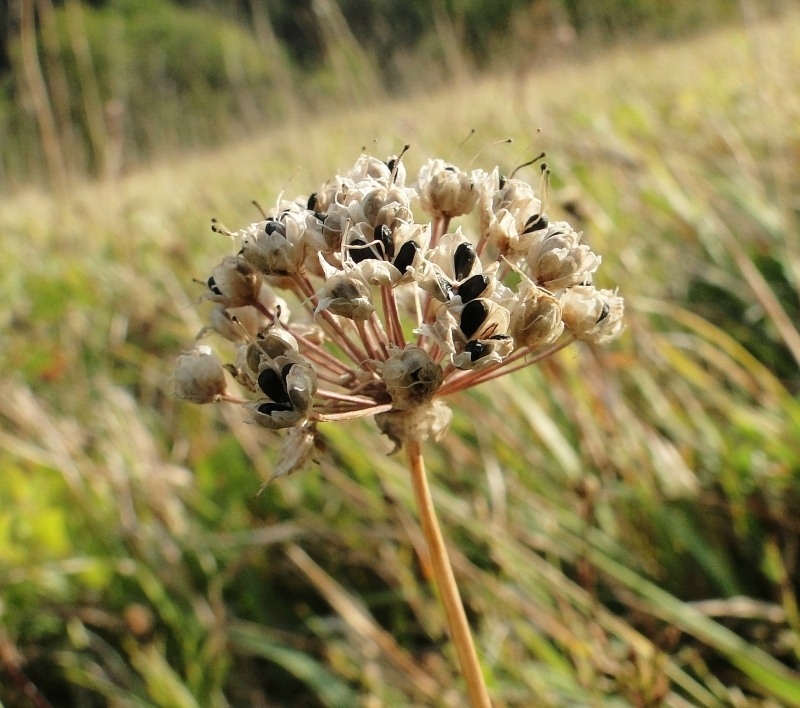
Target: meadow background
[[624, 523]]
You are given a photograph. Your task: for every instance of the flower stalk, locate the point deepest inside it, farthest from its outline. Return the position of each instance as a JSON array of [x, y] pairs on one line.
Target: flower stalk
[[445, 581]]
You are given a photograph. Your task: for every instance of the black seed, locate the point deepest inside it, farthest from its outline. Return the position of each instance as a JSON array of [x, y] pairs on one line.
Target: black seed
[[312, 202], [286, 369], [415, 374], [473, 316], [272, 386], [391, 164], [359, 251], [405, 256], [270, 408], [212, 286], [536, 222], [473, 287], [477, 350], [383, 235], [450, 168], [604, 313], [272, 226], [320, 216], [502, 181], [463, 260]]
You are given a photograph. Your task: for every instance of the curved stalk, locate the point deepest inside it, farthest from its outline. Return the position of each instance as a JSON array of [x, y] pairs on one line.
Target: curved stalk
[[446, 582]]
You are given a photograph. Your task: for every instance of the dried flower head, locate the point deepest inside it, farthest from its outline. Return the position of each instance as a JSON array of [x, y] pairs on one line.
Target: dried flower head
[[390, 314]]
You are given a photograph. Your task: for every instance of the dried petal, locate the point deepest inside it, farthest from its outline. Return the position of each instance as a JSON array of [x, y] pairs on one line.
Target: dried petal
[[415, 424]]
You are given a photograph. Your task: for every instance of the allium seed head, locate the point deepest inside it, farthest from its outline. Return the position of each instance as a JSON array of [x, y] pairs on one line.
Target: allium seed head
[[391, 313]]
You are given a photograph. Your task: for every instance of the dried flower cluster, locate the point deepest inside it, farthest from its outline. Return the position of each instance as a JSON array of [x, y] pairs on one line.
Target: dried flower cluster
[[391, 313]]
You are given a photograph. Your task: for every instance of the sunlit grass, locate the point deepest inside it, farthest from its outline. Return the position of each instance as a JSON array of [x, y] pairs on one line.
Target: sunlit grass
[[595, 505]]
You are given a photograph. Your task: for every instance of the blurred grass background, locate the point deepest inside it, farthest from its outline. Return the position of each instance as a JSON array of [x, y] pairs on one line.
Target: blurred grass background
[[624, 522]]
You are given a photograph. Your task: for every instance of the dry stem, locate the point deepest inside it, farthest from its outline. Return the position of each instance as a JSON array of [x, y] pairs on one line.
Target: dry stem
[[446, 582]]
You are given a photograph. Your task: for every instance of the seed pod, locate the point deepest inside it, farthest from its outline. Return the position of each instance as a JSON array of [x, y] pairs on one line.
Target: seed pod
[[289, 382], [345, 295], [234, 283], [446, 191], [536, 317], [592, 315], [559, 260], [271, 342], [412, 377], [333, 228], [274, 248], [480, 353], [199, 376]]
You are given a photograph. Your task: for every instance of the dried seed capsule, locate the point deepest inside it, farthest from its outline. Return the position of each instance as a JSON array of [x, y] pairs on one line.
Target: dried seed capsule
[[290, 384], [445, 190], [411, 377], [199, 376], [489, 351], [274, 247], [559, 259], [592, 315], [301, 384], [234, 283], [536, 317], [347, 296]]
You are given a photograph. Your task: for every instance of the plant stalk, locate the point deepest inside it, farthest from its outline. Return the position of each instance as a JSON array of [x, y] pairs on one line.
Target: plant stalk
[[446, 582]]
